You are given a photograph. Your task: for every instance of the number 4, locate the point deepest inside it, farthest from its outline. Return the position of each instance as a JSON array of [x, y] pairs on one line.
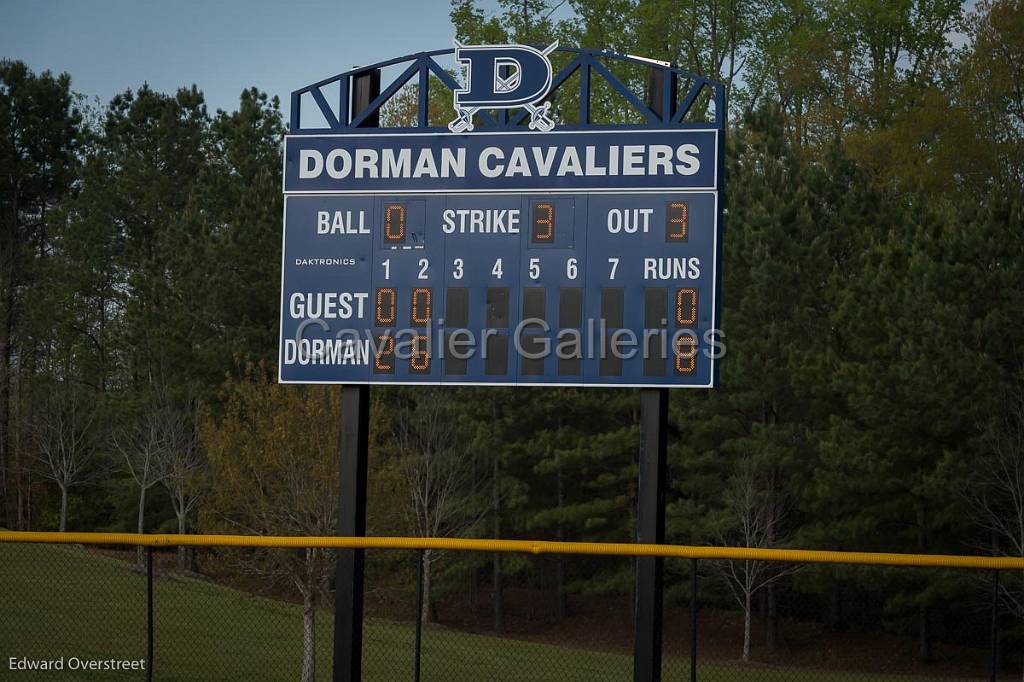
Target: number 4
[[496, 270]]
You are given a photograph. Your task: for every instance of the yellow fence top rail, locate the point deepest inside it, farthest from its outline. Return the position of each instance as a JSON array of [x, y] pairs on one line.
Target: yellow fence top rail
[[524, 547]]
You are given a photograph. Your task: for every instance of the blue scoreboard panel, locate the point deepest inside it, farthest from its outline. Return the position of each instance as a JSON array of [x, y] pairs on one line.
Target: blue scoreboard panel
[[469, 282]]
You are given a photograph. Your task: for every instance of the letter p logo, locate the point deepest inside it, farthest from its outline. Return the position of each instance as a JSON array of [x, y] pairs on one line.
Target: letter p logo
[[503, 77]]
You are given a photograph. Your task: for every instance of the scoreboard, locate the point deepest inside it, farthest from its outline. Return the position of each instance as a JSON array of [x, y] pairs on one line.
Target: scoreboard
[[468, 273]]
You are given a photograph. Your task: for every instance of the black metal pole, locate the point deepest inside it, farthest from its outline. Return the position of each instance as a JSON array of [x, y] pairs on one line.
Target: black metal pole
[[348, 572], [355, 427], [995, 625], [365, 89], [650, 530], [662, 92], [661, 98], [693, 621], [419, 612], [149, 613]]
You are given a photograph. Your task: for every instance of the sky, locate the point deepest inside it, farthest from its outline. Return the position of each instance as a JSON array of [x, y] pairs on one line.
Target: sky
[[223, 46]]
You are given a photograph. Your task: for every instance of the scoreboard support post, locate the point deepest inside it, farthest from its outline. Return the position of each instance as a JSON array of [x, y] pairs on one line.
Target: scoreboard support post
[[661, 96], [650, 530], [348, 576], [349, 568], [349, 565]]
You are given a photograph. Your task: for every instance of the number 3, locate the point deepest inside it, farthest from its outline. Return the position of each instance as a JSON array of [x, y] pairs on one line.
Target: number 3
[[457, 272]]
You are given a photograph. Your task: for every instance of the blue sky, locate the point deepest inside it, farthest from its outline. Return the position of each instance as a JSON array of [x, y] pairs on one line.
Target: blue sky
[[221, 45]]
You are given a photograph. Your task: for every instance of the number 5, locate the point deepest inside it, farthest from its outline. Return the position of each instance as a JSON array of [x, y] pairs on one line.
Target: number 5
[[535, 268]]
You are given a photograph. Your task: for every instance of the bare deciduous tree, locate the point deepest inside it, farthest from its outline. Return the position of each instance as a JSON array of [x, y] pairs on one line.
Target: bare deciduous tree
[[756, 514], [181, 464], [141, 445], [436, 467], [63, 435], [995, 492]]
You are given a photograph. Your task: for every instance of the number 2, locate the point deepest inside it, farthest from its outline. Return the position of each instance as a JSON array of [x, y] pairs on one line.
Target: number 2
[[424, 264]]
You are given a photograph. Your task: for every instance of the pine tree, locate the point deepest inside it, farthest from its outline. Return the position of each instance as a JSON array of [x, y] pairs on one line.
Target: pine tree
[[39, 129]]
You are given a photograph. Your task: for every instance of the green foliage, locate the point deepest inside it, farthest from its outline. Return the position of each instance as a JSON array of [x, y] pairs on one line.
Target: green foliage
[[273, 458]]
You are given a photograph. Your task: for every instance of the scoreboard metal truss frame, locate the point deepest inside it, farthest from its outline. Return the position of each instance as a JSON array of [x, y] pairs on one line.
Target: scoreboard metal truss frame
[[342, 119]]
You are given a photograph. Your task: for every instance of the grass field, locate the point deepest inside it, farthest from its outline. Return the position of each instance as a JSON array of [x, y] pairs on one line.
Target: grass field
[[65, 601]]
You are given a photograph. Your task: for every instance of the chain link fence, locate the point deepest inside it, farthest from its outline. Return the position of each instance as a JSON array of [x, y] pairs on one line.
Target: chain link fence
[[98, 612]]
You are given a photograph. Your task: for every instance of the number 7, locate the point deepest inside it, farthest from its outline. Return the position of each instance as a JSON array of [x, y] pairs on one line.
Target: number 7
[[615, 266]]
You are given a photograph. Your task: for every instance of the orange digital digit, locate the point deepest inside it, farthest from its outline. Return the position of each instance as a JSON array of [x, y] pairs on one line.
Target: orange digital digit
[[419, 359], [394, 223], [543, 222], [384, 354], [686, 354], [686, 307], [386, 308], [422, 305], [677, 221]]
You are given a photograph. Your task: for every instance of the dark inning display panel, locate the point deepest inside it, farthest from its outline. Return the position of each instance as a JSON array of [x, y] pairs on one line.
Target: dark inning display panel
[[511, 288]]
